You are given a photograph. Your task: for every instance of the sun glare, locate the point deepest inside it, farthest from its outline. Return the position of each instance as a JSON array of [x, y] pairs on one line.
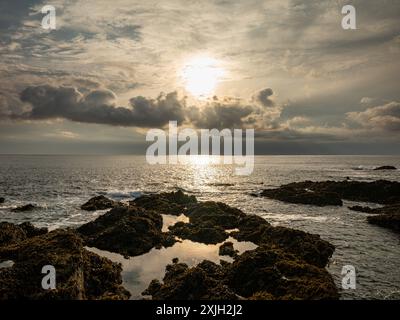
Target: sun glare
[[201, 76]]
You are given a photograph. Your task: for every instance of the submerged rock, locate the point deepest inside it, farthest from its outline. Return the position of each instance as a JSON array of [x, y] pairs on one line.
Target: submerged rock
[[386, 168], [173, 203], [99, 203], [79, 274], [332, 192], [27, 207], [226, 249], [130, 231]]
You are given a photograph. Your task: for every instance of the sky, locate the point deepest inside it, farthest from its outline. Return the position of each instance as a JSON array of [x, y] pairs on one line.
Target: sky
[[111, 70]]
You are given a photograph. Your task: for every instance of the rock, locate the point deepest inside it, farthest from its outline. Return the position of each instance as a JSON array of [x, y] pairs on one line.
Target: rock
[[79, 274], [130, 231], [2, 200], [390, 221], [386, 168], [387, 217], [309, 247], [362, 209], [303, 196], [274, 274], [226, 249], [208, 222], [12, 234], [264, 273], [28, 207], [331, 192], [99, 203], [173, 203], [215, 213], [204, 233], [197, 283]]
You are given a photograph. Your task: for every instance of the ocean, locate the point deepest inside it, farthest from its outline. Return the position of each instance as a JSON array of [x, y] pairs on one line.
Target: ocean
[[58, 185]]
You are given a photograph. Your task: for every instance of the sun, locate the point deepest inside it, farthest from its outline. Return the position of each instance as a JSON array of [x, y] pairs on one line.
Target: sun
[[201, 75]]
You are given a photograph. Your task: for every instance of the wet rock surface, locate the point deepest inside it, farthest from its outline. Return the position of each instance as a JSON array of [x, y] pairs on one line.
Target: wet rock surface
[[99, 203], [325, 193], [27, 207], [79, 274], [2, 200], [128, 230]]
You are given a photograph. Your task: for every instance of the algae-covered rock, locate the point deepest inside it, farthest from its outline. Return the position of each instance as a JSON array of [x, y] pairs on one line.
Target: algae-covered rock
[[99, 203], [79, 273]]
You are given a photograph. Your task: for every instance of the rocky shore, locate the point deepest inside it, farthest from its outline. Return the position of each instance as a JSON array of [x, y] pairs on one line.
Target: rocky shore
[[332, 193], [287, 263]]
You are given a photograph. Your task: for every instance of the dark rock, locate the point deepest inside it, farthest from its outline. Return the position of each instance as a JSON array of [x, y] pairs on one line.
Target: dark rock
[[386, 168], [390, 221], [275, 274], [226, 249], [2, 200], [362, 209], [80, 274], [28, 207], [387, 217], [215, 213], [207, 222], [331, 192], [204, 233], [99, 203], [130, 231], [303, 196], [265, 273], [12, 233], [173, 203], [197, 283], [309, 247]]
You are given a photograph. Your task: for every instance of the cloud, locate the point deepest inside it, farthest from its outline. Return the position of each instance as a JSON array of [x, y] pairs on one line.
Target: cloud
[[385, 117], [263, 97], [98, 106]]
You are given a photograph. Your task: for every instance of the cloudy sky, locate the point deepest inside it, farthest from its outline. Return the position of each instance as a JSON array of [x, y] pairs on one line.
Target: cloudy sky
[[113, 69]]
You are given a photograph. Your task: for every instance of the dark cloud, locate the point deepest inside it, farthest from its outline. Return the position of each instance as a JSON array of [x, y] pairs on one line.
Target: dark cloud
[[98, 106], [263, 97]]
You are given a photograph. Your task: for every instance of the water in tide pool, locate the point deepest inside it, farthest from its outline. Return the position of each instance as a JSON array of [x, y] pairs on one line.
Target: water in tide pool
[[58, 185]]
